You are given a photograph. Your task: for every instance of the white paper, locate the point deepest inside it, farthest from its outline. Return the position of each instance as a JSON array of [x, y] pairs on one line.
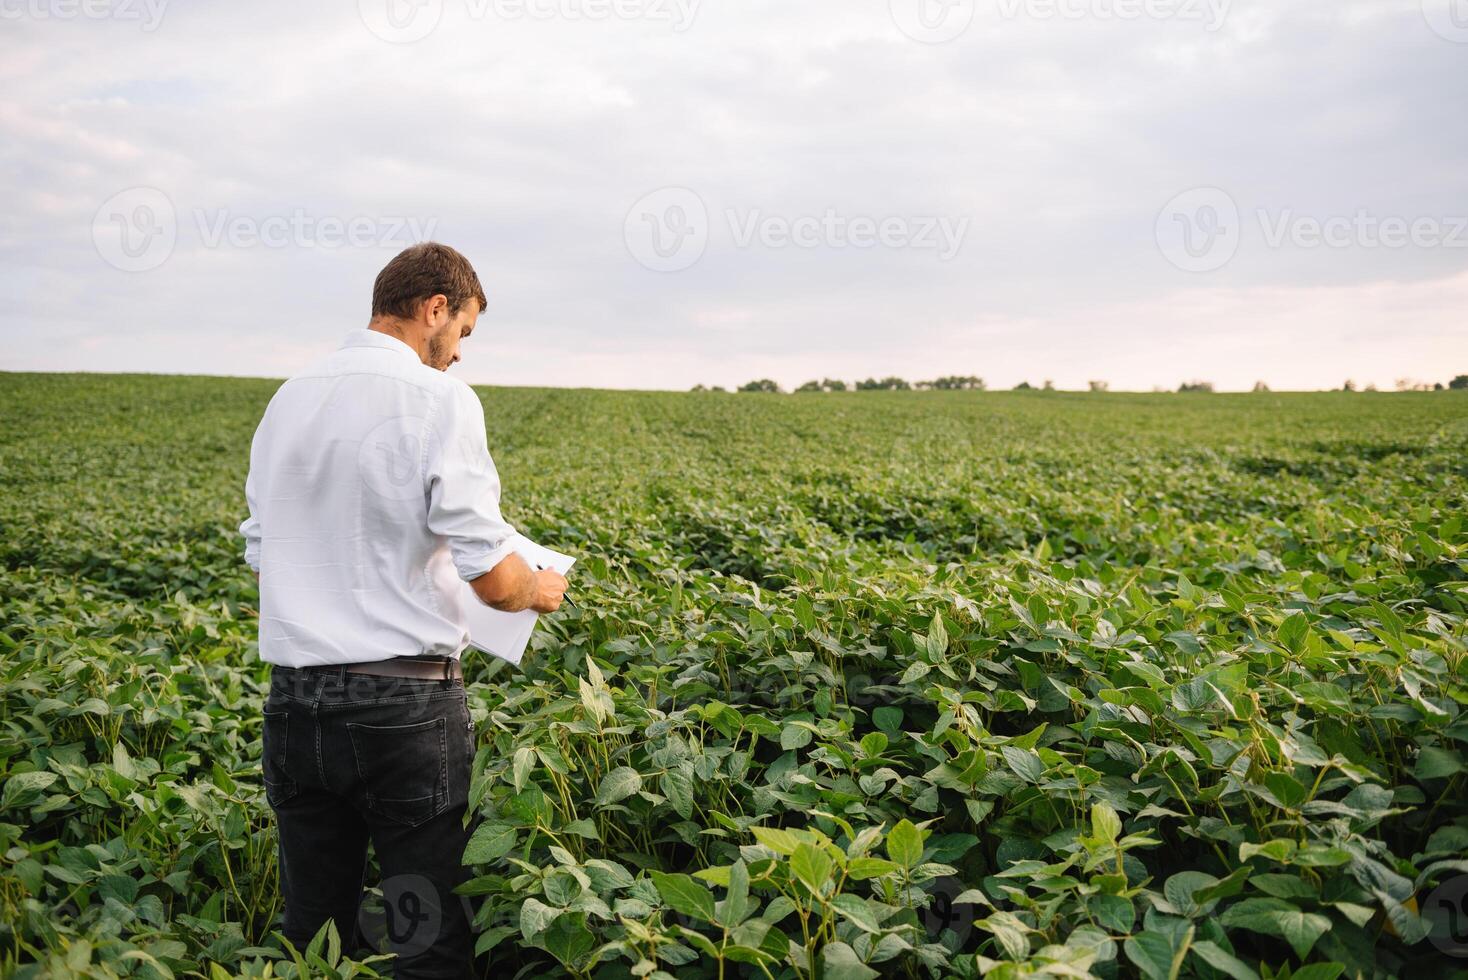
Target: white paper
[[505, 634]]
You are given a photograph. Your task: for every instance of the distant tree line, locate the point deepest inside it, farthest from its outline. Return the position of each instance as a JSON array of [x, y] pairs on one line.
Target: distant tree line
[[958, 382], [949, 383]]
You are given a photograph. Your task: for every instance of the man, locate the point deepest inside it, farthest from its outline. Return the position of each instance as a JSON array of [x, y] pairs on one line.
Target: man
[[371, 493]]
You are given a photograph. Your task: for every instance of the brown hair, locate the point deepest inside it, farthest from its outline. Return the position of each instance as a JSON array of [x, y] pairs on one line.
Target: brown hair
[[422, 271]]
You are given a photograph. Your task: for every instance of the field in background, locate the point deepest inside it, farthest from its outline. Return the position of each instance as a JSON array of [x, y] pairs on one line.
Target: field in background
[[900, 683]]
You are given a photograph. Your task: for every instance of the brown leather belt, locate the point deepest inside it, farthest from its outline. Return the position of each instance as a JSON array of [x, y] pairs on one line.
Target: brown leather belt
[[424, 669]]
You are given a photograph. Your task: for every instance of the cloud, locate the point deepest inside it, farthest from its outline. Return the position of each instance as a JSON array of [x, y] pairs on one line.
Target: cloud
[[524, 140]]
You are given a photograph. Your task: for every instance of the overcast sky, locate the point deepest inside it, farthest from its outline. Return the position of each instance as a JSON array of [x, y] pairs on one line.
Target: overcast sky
[[663, 192]]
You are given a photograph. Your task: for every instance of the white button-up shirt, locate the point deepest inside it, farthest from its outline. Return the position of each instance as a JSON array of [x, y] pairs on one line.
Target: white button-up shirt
[[371, 493]]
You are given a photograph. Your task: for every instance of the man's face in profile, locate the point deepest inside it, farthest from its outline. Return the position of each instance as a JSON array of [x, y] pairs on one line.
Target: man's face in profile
[[443, 346]]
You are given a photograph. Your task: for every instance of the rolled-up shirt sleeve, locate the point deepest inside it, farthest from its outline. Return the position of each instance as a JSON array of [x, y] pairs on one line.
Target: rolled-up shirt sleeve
[[463, 487], [250, 528]]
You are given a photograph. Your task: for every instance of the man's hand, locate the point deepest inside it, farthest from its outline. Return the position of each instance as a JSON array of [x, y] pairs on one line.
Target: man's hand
[[512, 586], [550, 588]]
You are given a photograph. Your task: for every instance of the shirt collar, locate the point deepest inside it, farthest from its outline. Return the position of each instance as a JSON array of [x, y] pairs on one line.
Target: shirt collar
[[376, 338]]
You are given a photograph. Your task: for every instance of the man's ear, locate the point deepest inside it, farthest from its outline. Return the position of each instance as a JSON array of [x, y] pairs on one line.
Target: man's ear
[[436, 311]]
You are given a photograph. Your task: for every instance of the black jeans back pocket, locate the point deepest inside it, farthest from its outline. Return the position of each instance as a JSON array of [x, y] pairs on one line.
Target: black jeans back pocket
[[275, 740], [404, 769]]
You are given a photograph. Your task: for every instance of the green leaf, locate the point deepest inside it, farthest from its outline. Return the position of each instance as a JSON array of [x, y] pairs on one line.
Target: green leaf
[[1026, 764], [677, 786], [1302, 929], [685, 894], [811, 865], [858, 912], [491, 841], [1276, 917], [1437, 763], [1156, 955], [24, 789], [777, 840], [872, 744], [937, 638], [805, 613], [863, 868], [1286, 788], [734, 909], [1180, 888], [888, 719], [521, 767], [568, 939], [618, 784], [1105, 824], [1224, 962], [536, 917], [1293, 632], [795, 735], [905, 844], [840, 962], [1319, 971], [1008, 931], [1275, 850]]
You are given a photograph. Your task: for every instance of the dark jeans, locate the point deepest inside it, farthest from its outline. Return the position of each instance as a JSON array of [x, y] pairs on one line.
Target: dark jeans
[[350, 758]]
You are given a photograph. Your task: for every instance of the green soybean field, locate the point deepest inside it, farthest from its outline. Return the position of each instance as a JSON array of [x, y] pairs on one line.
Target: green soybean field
[[900, 684]]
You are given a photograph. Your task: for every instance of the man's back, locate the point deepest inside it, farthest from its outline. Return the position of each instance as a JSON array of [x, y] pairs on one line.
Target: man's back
[[369, 482]]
